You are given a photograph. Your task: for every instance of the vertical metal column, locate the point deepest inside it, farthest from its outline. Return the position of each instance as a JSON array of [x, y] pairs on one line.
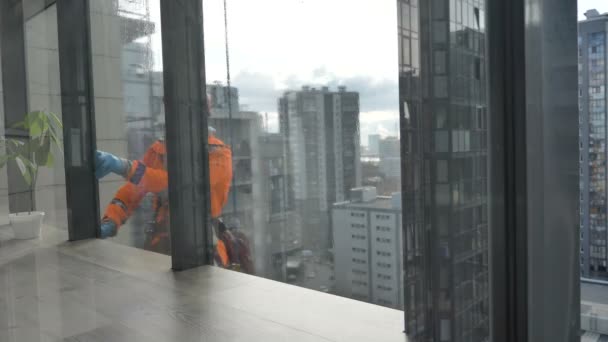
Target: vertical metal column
[[553, 170], [534, 253], [186, 132], [14, 79], [77, 103], [507, 171]]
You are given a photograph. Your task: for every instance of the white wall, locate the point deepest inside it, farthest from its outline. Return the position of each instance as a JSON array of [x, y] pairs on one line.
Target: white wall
[[344, 226], [383, 226], [44, 91], [110, 119]]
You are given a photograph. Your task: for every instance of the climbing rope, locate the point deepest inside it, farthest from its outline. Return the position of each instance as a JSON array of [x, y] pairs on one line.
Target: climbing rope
[[228, 96]]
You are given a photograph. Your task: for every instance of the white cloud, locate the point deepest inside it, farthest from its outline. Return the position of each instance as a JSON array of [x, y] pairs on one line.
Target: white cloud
[[296, 37], [584, 5], [375, 116]]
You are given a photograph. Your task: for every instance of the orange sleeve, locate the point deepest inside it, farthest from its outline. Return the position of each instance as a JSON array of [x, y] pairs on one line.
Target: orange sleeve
[[220, 174], [125, 201], [147, 179], [221, 254]]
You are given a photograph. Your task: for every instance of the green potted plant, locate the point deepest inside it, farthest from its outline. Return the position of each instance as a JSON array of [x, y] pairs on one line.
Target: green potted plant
[[31, 153]]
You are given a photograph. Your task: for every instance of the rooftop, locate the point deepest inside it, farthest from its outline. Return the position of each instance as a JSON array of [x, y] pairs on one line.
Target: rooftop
[[596, 293], [593, 14], [594, 311], [381, 202]]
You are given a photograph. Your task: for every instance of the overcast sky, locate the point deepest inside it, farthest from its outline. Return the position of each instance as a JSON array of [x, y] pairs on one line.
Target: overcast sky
[[584, 5], [283, 44]]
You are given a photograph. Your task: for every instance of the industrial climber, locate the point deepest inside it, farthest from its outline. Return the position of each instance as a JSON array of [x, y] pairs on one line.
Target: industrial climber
[[149, 176]]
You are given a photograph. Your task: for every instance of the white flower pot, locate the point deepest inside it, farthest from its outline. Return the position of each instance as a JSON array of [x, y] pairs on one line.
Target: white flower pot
[[26, 225]]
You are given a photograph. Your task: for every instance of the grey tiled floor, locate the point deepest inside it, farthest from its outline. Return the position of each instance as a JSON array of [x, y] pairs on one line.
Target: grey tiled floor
[[51, 290]]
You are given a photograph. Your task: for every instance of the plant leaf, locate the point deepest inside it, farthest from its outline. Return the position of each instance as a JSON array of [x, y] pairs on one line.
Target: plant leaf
[[24, 169], [35, 128], [55, 119], [20, 124], [42, 150], [50, 162], [13, 146], [55, 129], [4, 159], [56, 141]]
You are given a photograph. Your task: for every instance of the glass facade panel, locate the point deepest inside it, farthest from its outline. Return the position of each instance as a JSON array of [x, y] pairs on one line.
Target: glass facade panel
[[592, 85], [44, 94], [360, 172], [33, 180], [448, 211], [130, 122], [316, 186], [4, 199]]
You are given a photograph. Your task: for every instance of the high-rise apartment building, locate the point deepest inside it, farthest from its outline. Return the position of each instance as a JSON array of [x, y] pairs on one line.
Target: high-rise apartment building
[[283, 224], [390, 157], [444, 130], [223, 99], [321, 128], [246, 204], [593, 111], [373, 141], [367, 248]]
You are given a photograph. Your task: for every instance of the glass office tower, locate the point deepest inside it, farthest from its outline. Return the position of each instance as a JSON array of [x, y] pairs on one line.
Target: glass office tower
[[444, 112], [592, 106]]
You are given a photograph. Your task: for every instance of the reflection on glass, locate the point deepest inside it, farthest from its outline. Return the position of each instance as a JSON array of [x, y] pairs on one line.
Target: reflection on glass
[[445, 211], [127, 73], [44, 94], [592, 53], [4, 210]]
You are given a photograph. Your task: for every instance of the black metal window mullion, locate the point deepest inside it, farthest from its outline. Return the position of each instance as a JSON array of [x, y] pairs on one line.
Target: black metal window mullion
[[16, 106], [186, 132], [533, 186], [78, 112]]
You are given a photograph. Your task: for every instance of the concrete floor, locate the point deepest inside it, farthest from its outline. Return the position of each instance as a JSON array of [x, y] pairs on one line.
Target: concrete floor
[[51, 290]]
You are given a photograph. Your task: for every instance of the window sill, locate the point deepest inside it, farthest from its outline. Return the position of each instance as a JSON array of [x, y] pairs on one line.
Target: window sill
[[110, 283]]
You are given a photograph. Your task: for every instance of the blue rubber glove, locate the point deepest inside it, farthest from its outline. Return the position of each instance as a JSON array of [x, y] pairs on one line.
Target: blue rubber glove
[[106, 162], [108, 229]]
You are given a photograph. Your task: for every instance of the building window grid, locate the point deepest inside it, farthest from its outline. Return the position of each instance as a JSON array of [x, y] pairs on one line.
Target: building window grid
[[359, 272], [596, 151], [384, 276], [359, 261], [383, 253], [359, 250], [357, 226]]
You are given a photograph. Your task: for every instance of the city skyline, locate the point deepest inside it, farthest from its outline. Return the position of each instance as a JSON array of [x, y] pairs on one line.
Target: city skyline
[[262, 84], [285, 65], [263, 76]]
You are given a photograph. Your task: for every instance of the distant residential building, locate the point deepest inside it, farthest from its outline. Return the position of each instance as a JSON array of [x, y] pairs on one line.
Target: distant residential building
[[368, 249], [593, 139], [390, 157], [143, 98], [284, 226], [222, 100], [321, 128], [373, 141], [246, 201]]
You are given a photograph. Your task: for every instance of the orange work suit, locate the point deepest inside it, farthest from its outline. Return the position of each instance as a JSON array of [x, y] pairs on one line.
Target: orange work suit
[[150, 176]]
